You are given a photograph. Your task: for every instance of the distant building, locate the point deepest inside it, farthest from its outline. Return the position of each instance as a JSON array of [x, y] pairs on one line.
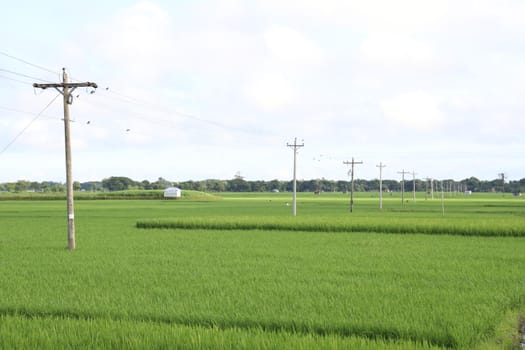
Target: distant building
[[468, 192], [172, 192]]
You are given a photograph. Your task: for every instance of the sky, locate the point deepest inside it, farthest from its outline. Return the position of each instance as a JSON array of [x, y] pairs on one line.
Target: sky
[[208, 89]]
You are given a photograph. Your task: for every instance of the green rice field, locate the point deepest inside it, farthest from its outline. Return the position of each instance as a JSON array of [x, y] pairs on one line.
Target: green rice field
[[239, 272]]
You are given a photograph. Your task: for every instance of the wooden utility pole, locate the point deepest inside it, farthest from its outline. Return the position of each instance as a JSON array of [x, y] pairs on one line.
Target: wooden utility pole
[[427, 180], [414, 185], [502, 176], [381, 166], [352, 182], [403, 172], [295, 146], [66, 89], [442, 199]]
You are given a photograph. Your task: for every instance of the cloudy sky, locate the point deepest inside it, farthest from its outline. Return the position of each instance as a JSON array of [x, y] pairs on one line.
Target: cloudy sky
[[206, 89]]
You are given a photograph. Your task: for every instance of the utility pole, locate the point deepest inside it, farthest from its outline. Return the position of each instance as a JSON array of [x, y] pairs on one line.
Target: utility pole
[[442, 199], [403, 172], [66, 89], [414, 185], [502, 176], [352, 182], [381, 166], [295, 147]]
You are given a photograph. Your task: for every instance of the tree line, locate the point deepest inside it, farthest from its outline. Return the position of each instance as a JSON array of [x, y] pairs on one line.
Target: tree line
[[239, 184]]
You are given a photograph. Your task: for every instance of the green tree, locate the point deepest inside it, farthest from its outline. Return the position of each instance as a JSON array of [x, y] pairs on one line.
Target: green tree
[[22, 185], [213, 185], [58, 187], [238, 184], [10, 186], [117, 183], [91, 186], [342, 186], [145, 185], [258, 186], [161, 184], [36, 186], [275, 185], [473, 184]]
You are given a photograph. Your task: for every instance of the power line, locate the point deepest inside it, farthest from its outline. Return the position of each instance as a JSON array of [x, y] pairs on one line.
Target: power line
[[28, 63], [142, 116], [147, 118], [26, 112], [28, 125], [152, 119], [52, 71], [13, 79], [135, 101], [22, 75], [120, 96]]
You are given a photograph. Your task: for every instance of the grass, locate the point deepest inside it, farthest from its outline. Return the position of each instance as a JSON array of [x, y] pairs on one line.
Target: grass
[[465, 226], [73, 333], [200, 288], [507, 333], [469, 216], [128, 194]]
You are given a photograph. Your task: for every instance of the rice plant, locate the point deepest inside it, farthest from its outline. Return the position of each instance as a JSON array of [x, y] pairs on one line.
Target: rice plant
[[253, 288]]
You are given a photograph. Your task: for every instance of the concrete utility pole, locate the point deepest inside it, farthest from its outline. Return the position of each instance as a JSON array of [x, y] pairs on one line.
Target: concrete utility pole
[[403, 172], [295, 147], [352, 182], [381, 166], [414, 185], [66, 89]]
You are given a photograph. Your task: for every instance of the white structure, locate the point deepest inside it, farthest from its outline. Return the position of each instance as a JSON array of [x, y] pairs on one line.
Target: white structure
[[172, 192]]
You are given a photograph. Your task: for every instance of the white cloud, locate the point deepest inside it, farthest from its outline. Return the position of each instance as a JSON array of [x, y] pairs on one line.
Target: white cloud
[[45, 134], [287, 50], [400, 15], [387, 48], [377, 15], [333, 69], [270, 91], [137, 39], [416, 110], [291, 46], [216, 51]]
